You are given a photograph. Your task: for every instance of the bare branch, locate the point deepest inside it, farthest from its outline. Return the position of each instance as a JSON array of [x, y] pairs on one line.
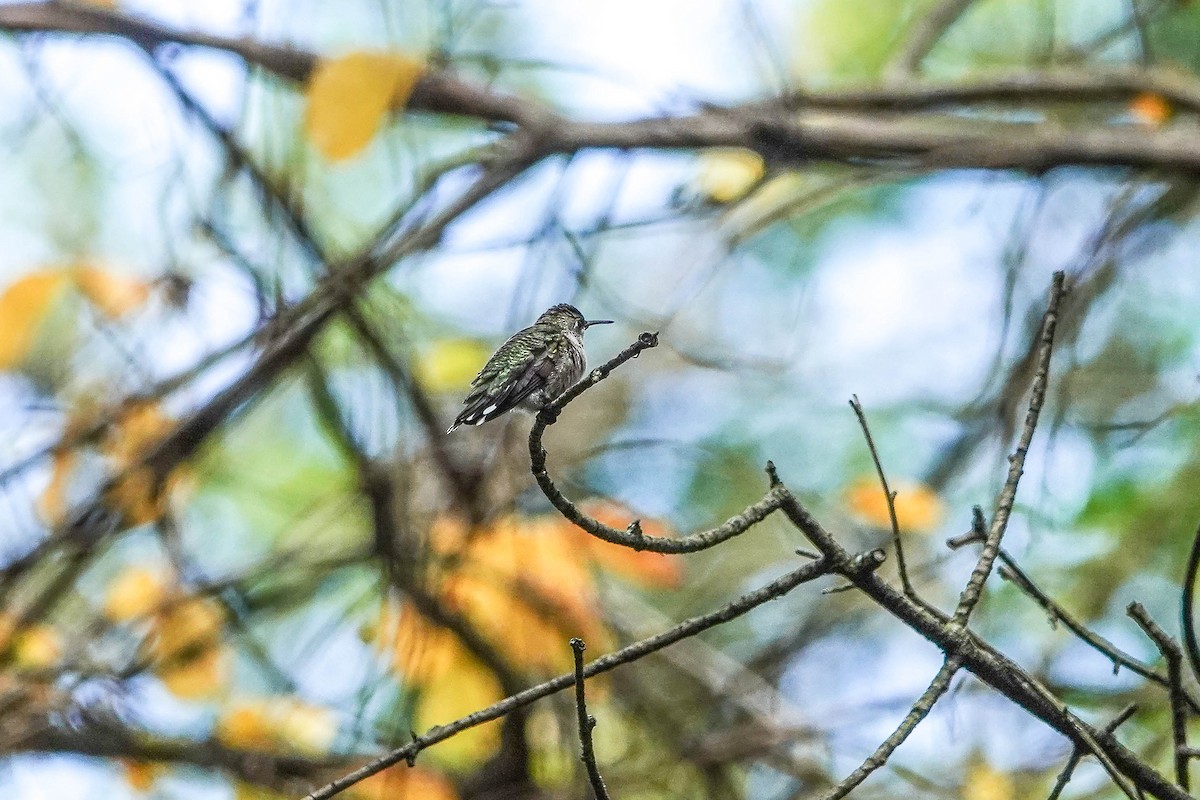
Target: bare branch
[[1188, 604], [625, 655], [925, 35], [890, 496], [1011, 571], [991, 546], [586, 723], [631, 536], [1174, 658], [1077, 755], [988, 664], [920, 710]]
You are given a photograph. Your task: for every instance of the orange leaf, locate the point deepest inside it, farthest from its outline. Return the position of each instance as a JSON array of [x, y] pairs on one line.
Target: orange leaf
[[650, 569], [246, 726], [348, 98], [527, 588], [1151, 109], [403, 782], [23, 307], [270, 723], [918, 508], [141, 425], [140, 775]]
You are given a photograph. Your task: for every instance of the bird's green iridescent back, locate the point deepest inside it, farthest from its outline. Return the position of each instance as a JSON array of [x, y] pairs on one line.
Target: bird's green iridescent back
[[534, 366]]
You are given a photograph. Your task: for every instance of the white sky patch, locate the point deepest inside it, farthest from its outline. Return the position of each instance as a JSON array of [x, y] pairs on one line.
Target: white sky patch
[[641, 55], [915, 300]]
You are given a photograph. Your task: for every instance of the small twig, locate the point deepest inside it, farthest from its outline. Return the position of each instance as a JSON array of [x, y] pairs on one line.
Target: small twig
[[586, 723], [1174, 658], [632, 536], [991, 546], [920, 710], [901, 567], [1012, 572], [1077, 754], [1187, 623], [926, 34]]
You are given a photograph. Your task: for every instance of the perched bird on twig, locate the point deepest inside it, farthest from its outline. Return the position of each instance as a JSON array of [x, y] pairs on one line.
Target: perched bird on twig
[[532, 368]]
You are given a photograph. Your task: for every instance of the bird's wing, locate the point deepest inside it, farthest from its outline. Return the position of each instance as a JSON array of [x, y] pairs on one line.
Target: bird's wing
[[488, 400]]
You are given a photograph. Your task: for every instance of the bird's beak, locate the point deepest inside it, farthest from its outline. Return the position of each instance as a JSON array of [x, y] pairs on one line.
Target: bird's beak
[[590, 322]]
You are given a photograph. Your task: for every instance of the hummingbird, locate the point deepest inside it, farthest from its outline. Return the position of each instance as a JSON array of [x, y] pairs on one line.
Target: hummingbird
[[533, 367]]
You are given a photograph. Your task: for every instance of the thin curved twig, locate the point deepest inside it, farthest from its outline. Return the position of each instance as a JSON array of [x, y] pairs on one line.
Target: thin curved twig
[[632, 536], [1187, 622]]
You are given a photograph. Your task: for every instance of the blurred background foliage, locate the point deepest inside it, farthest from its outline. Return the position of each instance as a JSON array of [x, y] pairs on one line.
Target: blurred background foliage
[[328, 573]]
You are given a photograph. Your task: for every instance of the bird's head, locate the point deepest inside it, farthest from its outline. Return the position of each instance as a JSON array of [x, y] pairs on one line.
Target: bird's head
[[567, 317]]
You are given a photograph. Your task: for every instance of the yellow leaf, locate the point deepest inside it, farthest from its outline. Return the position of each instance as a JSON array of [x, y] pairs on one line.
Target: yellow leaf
[[451, 682], [348, 97], [113, 295], [246, 726], [139, 494], [185, 628], [199, 677], [985, 783], [52, 504], [23, 307], [727, 174], [918, 508], [38, 647], [268, 724], [450, 364], [466, 686], [134, 593]]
